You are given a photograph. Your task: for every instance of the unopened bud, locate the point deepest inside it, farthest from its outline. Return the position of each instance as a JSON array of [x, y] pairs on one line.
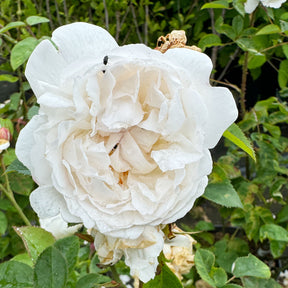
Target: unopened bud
[[5, 134]]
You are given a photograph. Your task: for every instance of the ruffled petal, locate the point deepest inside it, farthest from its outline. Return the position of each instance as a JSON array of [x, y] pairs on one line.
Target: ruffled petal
[[73, 42], [219, 102]]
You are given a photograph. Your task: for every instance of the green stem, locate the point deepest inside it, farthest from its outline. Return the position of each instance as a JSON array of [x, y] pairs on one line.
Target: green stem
[[115, 276], [10, 196], [243, 84], [9, 193]]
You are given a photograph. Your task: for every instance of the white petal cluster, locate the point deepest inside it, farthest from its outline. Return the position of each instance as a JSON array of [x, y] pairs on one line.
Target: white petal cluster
[[179, 251], [250, 5], [121, 142]]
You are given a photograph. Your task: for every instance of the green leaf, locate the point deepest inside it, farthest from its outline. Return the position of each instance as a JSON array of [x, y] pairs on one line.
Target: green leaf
[[251, 266], [33, 20], [32, 112], [256, 60], [35, 240], [239, 6], [89, 281], [204, 226], [235, 135], [23, 258], [21, 51], [238, 24], [93, 268], [17, 166], [12, 25], [166, 279], [9, 156], [204, 261], [15, 275], [273, 232], [8, 78], [6, 205], [283, 214], [223, 193], [285, 50], [269, 29], [249, 282], [3, 223], [219, 276], [232, 286], [216, 4], [224, 28], [14, 101], [228, 250], [21, 184], [69, 247], [283, 74], [50, 269], [284, 26], [277, 248], [209, 40]]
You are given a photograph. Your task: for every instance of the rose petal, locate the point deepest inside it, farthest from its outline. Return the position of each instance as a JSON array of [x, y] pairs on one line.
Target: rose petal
[[31, 155], [46, 201], [58, 227], [174, 158], [77, 40], [73, 41], [221, 107], [143, 262], [48, 71]]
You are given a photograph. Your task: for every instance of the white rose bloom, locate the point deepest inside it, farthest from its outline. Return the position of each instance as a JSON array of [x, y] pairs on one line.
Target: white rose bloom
[[122, 136], [250, 5]]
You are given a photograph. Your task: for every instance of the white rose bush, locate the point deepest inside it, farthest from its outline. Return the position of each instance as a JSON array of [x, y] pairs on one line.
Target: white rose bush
[[121, 142], [112, 169]]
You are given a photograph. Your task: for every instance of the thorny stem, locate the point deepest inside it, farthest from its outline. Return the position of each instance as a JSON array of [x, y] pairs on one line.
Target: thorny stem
[[243, 84], [215, 48], [136, 23], [116, 276], [57, 13], [146, 25], [118, 28], [232, 58], [227, 84], [49, 15], [274, 46], [9, 193], [66, 11]]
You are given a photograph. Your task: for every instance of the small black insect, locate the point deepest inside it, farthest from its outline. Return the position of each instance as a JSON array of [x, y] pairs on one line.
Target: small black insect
[[105, 60], [113, 149]]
